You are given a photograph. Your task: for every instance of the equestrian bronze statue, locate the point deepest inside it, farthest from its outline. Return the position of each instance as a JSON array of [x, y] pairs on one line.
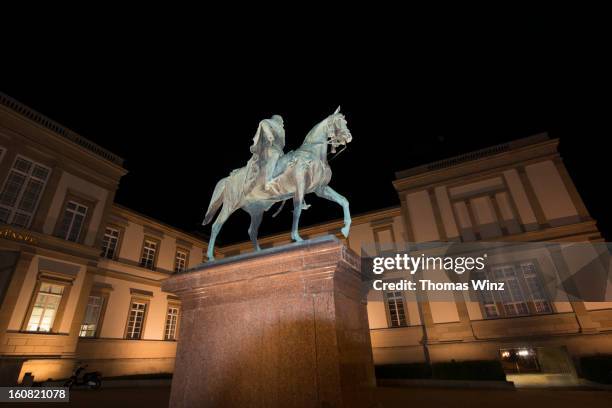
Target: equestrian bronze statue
[[271, 176]]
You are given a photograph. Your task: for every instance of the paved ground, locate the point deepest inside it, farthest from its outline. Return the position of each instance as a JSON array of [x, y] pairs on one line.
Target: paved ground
[[523, 398], [144, 397], [388, 397]]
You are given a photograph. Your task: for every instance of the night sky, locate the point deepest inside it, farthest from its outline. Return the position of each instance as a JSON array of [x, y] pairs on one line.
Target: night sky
[[181, 124]]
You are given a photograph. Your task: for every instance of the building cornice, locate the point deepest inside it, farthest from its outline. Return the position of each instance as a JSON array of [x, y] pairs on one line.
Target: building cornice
[[578, 232], [24, 129], [522, 151], [52, 126], [133, 277], [48, 245]]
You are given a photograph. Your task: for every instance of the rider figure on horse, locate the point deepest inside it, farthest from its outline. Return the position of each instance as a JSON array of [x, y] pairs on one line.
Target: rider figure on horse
[[254, 187], [267, 148]]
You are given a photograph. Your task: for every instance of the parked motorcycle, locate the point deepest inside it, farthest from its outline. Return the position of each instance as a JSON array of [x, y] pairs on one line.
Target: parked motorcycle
[[93, 379]]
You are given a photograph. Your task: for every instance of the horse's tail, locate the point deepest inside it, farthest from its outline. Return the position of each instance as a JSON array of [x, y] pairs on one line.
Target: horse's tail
[[215, 201]]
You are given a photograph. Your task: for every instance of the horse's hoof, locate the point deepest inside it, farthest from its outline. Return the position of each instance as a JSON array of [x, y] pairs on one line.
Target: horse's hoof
[[345, 231], [211, 258], [297, 239]]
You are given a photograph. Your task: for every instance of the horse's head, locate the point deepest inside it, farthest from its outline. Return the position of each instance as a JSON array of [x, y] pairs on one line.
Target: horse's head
[[337, 131]]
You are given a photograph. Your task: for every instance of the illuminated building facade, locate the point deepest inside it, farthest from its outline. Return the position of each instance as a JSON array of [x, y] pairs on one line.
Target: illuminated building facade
[[81, 275]]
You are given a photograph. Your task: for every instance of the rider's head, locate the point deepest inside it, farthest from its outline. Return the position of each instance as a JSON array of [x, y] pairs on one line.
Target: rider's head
[[278, 119]]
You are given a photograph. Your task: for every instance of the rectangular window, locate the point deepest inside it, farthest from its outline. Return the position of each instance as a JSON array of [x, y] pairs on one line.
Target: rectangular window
[[171, 323], [523, 293], [72, 222], [180, 261], [110, 242], [149, 250], [512, 297], [92, 316], [136, 320], [45, 307], [487, 300], [22, 190], [534, 287], [395, 304]]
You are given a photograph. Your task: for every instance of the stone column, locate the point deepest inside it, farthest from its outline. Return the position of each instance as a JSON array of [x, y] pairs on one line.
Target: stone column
[[464, 317], [283, 327], [583, 317], [10, 367]]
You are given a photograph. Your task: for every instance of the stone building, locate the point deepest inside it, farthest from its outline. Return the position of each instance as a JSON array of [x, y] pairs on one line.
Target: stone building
[[81, 275], [514, 192]]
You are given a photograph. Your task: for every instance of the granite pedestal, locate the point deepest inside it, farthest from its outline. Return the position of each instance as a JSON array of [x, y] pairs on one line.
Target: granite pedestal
[[283, 327]]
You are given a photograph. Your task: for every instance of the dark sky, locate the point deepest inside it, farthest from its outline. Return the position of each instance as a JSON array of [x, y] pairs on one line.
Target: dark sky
[[183, 121]]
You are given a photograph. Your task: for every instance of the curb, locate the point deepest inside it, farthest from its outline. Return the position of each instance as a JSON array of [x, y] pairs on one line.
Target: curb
[[505, 385], [162, 382]]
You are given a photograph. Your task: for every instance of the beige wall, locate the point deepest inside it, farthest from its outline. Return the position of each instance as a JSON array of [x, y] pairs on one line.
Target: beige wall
[[377, 314], [127, 357], [488, 204], [167, 251], [25, 294], [551, 193], [131, 243], [359, 234], [136, 228], [87, 189], [446, 213], [119, 304], [421, 217]]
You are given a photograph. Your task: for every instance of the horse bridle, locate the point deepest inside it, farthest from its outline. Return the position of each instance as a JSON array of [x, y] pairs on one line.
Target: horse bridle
[[331, 140]]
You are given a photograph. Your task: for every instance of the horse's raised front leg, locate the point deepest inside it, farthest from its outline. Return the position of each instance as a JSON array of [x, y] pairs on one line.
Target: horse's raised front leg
[[330, 194], [298, 200], [256, 217], [216, 227]]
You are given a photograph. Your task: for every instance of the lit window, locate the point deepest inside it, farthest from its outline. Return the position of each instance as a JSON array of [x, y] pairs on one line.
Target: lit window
[[512, 297], [92, 316], [136, 320], [72, 221], [486, 297], [22, 191], [171, 323], [45, 307], [109, 243], [523, 293], [535, 289], [395, 303], [149, 249], [180, 261]]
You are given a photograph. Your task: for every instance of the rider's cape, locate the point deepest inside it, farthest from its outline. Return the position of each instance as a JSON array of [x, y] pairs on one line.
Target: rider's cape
[[267, 137]]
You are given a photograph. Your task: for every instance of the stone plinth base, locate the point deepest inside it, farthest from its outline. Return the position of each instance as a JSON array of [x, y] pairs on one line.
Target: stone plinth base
[[284, 327]]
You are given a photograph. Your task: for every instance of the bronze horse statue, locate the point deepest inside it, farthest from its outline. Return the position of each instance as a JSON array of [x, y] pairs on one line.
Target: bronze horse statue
[[296, 174]]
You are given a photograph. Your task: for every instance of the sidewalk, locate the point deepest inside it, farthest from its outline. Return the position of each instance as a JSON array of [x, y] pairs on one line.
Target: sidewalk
[[152, 397]]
